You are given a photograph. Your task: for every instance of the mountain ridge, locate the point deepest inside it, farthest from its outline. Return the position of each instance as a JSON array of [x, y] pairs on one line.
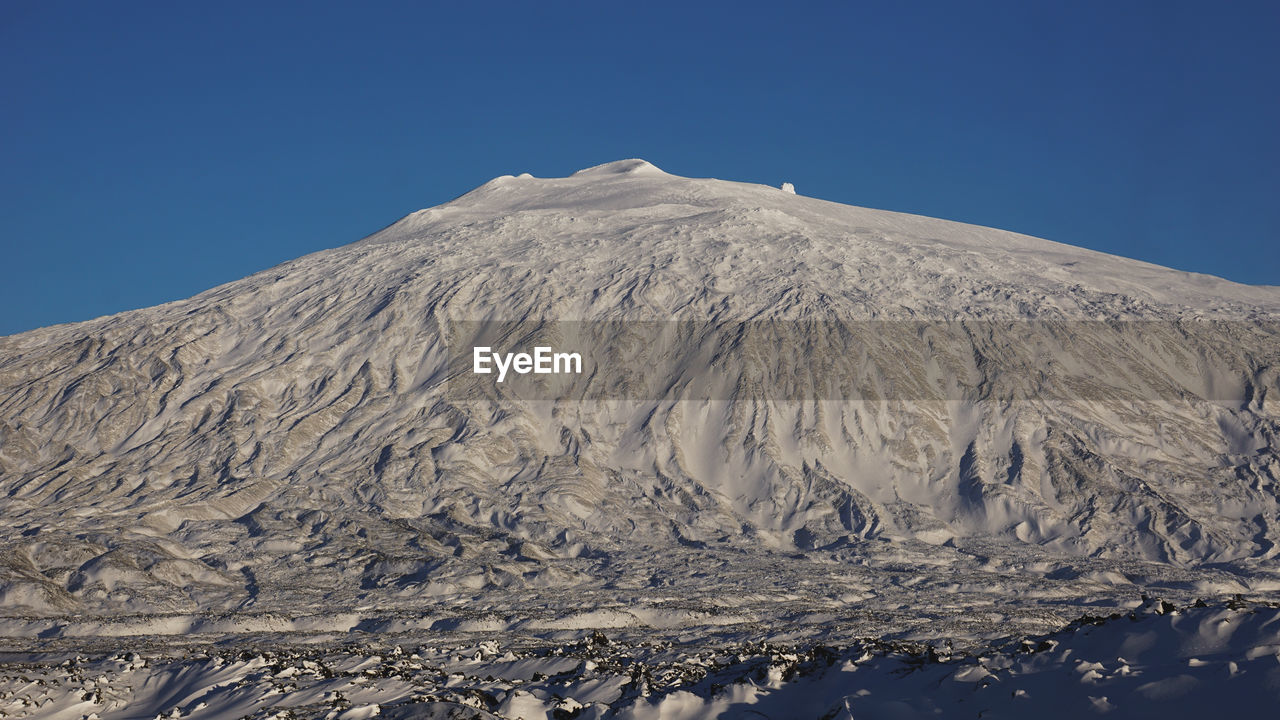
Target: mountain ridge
[[1265, 297]]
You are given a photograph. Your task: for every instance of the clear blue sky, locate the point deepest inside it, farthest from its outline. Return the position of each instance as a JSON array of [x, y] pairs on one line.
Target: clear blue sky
[[153, 150]]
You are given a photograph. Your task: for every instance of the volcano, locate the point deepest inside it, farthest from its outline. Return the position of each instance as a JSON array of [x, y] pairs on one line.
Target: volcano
[[793, 420]]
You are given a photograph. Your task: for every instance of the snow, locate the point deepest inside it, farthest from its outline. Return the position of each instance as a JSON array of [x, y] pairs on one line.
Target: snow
[[1171, 663], [799, 423], [632, 166]]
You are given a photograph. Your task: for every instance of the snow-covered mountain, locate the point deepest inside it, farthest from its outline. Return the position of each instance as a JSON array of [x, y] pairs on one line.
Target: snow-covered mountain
[[1025, 427]]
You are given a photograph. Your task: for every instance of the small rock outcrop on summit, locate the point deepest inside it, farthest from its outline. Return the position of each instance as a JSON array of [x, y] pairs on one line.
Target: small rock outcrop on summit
[[297, 441]]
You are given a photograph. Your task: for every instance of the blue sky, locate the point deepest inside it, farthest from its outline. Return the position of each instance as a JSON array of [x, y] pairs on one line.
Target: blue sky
[[153, 150]]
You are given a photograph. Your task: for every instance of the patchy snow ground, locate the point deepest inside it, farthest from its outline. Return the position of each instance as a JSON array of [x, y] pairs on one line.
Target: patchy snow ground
[[1157, 661], [806, 424]]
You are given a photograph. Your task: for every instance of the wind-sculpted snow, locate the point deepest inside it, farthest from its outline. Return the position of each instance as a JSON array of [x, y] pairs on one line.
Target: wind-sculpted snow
[[797, 419], [1157, 661]]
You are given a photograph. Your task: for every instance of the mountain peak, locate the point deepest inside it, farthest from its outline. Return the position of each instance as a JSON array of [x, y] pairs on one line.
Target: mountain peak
[[632, 166]]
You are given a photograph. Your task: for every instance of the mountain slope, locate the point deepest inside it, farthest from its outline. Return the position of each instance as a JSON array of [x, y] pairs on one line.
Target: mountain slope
[[306, 439]]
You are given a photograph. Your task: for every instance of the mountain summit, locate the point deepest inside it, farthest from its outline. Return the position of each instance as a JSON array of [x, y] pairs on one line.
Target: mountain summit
[[789, 405]]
